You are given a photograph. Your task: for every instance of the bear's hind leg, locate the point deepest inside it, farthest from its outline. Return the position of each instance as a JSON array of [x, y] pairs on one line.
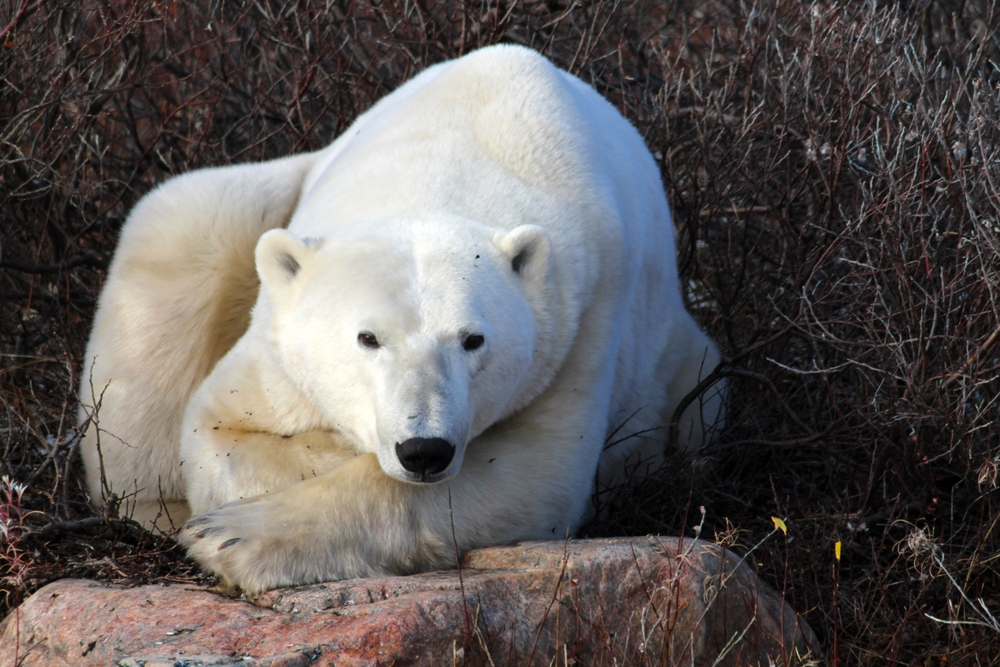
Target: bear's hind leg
[[693, 356], [177, 296]]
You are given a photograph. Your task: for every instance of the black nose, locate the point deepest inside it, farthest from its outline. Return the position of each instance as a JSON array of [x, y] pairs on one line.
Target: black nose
[[425, 456]]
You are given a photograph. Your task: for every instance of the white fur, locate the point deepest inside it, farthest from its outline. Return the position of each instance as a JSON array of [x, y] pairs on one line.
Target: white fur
[[279, 427]]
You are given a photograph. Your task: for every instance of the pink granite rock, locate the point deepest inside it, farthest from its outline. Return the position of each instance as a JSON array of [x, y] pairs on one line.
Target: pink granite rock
[[638, 601]]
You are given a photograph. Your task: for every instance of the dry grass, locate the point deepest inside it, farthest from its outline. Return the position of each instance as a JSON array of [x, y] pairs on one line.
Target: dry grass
[[835, 176]]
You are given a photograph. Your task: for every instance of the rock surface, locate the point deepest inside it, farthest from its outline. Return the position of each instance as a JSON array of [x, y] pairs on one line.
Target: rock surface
[[637, 601]]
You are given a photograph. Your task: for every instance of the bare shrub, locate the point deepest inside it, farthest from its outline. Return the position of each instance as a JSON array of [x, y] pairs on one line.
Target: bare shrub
[[834, 170]]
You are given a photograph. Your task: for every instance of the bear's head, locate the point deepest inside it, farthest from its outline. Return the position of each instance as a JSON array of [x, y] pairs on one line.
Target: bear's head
[[411, 337]]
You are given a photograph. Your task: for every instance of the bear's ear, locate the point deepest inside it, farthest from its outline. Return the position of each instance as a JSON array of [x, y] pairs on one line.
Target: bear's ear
[[528, 249], [280, 256]]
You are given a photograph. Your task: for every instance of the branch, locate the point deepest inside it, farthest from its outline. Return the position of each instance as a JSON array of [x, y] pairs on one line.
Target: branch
[[82, 260], [14, 22]]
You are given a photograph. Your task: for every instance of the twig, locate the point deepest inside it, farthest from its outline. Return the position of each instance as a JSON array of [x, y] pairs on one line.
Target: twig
[[782, 444], [950, 380], [555, 598], [77, 525], [72, 263], [12, 25], [458, 564]]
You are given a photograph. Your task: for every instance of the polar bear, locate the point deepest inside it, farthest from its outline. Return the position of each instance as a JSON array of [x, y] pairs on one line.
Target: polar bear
[[350, 362]]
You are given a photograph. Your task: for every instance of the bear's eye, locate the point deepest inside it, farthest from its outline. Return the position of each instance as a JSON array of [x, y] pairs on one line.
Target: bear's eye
[[368, 339], [473, 342]]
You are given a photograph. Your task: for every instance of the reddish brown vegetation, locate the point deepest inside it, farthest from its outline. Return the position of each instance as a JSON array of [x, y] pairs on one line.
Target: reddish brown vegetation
[[835, 176]]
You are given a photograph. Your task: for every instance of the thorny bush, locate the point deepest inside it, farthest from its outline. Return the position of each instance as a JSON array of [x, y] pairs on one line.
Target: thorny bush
[[834, 170]]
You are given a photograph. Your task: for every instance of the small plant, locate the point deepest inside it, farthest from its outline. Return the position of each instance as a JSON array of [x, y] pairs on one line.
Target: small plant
[[13, 560]]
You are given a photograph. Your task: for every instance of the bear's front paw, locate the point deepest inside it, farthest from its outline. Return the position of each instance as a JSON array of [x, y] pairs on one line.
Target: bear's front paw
[[251, 545]]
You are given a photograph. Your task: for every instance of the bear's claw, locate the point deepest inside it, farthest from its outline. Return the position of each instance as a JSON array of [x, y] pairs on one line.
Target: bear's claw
[[230, 542], [234, 542], [208, 531]]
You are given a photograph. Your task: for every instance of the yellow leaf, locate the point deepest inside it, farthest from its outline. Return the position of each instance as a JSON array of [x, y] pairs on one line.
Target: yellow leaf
[[836, 550], [779, 525]]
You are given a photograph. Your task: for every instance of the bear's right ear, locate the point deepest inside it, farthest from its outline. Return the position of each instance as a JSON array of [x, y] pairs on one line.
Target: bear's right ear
[[527, 248], [280, 256]]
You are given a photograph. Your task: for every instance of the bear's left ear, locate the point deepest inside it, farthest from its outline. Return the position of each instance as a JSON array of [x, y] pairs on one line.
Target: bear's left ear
[[528, 248], [280, 256]]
